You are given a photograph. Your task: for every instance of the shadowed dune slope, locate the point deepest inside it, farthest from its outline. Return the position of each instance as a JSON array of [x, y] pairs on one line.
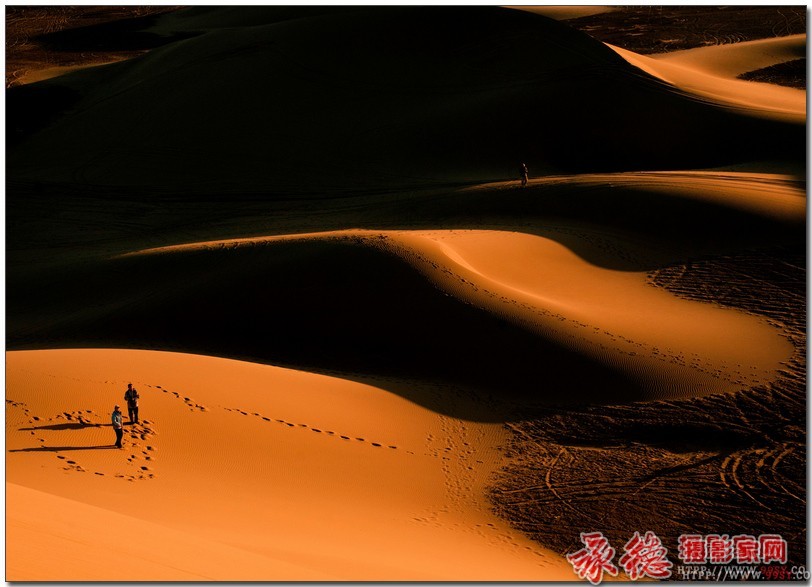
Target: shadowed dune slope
[[300, 303], [549, 287], [408, 96], [201, 19], [646, 215], [462, 310]]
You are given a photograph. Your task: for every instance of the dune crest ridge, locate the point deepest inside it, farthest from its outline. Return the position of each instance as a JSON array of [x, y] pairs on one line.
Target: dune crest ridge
[[542, 286], [709, 74], [470, 98], [733, 59]]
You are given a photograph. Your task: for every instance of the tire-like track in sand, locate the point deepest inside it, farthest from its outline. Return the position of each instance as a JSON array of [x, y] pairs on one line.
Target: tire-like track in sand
[[722, 464]]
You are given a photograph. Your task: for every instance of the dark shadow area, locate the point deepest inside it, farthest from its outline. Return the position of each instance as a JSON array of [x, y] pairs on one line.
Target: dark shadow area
[[52, 225], [125, 34], [478, 90], [63, 448], [791, 74], [33, 107], [659, 29], [684, 437], [299, 304], [25, 25], [66, 426], [196, 19]]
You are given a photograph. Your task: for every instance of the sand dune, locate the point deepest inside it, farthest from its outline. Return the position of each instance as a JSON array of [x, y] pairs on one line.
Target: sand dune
[[294, 229], [455, 123], [672, 347], [84, 543], [327, 479], [710, 73], [737, 58], [30, 77], [572, 305]]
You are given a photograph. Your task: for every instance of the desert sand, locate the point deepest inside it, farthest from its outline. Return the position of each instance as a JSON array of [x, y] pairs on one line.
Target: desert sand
[[710, 73], [363, 351], [244, 472]]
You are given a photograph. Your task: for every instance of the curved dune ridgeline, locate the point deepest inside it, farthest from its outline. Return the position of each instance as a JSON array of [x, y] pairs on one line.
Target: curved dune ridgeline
[[577, 328], [358, 98], [364, 351]]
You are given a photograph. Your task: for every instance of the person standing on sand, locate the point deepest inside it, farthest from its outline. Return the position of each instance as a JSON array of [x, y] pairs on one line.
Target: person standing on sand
[[131, 397], [523, 173], [118, 426]]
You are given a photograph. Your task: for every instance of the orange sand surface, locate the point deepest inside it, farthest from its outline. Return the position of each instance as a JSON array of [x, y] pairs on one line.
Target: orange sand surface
[[244, 472], [38, 75], [567, 289], [737, 58], [248, 471], [680, 348], [709, 74]]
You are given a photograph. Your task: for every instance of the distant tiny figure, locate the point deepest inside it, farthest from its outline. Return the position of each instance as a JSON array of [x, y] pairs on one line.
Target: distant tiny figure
[[131, 397], [523, 173], [118, 426]]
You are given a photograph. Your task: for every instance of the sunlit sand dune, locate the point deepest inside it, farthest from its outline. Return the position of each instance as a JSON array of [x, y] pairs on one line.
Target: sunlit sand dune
[[566, 302], [294, 230], [244, 472], [669, 346], [736, 58], [709, 74]]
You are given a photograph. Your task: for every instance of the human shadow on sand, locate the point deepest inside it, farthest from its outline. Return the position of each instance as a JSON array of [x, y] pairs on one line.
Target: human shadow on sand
[[61, 448], [66, 426]]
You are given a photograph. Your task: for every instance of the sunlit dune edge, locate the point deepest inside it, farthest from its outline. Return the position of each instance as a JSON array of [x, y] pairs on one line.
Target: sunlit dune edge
[[241, 471], [732, 59], [709, 74], [671, 346], [573, 288], [46, 73]]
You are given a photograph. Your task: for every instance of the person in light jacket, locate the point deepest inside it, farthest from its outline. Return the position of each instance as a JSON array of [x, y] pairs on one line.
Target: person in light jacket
[[118, 426]]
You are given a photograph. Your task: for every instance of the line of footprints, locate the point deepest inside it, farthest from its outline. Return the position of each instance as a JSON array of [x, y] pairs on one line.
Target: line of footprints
[[195, 406], [144, 430], [89, 418], [190, 403], [305, 426]]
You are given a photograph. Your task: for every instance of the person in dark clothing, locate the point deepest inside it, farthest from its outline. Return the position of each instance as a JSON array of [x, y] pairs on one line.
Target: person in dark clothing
[[523, 173], [117, 426], [131, 397]]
